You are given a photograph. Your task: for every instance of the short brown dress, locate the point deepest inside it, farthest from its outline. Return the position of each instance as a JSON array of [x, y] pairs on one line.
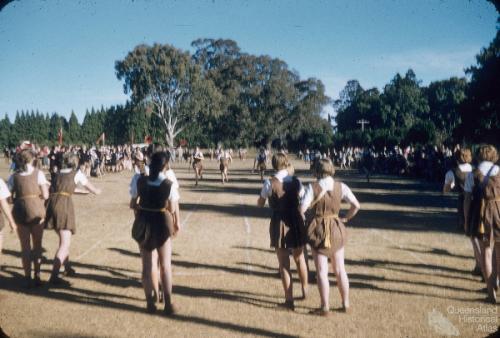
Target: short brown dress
[[28, 206], [224, 163], [152, 214], [261, 163], [286, 229], [197, 163], [485, 207], [323, 219], [60, 209]]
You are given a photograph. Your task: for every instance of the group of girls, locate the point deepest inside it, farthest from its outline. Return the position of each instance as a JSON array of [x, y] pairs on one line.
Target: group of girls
[[154, 193], [479, 210], [308, 215], [28, 190]]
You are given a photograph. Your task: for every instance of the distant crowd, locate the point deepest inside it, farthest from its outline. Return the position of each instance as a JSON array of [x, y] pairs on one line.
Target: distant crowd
[[429, 162]]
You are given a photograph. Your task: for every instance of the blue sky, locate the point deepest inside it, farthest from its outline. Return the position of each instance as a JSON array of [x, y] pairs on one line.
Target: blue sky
[[58, 56]]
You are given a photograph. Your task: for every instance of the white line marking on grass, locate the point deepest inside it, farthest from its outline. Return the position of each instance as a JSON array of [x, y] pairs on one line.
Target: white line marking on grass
[[248, 239], [388, 239], [91, 248], [184, 222]]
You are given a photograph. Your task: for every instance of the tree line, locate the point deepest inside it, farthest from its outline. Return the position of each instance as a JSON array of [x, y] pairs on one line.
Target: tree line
[[451, 111], [221, 95]]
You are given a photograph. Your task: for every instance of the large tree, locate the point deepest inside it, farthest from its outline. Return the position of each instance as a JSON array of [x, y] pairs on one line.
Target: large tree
[[480, 112], [171, 81], [444, 99]]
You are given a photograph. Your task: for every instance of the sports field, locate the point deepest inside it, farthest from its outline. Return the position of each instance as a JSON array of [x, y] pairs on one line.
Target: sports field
[[409, 268]]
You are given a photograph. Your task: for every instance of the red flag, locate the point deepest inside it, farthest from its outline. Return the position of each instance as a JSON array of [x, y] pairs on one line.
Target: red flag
[[101, 138], [60, 136], [148, 139]]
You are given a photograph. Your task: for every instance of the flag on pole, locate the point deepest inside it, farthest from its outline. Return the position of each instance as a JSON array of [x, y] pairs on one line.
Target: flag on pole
[[60, 136], [101, 138]]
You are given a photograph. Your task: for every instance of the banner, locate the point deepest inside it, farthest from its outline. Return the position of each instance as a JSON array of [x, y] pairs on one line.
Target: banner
[[101, 138], [60, 136]]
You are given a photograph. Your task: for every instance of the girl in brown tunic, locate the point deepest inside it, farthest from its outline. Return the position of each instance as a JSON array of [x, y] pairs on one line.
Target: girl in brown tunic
[[225, 159], [260, 161], [27, 184], [198, 165], [482, 213], [60, 211], [157, 221], [286, 229], [326, 231], [455, 180], [5, 209]]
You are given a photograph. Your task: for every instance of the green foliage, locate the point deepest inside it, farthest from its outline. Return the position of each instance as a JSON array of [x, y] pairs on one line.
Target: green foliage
[[480, 112], [421, 133]]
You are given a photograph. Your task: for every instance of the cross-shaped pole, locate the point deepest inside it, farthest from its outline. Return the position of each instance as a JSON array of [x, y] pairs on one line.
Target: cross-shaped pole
[[362, 122]]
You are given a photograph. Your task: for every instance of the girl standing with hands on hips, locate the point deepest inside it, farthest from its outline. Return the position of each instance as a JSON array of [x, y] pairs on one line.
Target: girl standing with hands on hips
[[326, 231]]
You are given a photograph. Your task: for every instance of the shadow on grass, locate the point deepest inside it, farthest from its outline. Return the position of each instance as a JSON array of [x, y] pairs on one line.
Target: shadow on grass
[[91, 298]]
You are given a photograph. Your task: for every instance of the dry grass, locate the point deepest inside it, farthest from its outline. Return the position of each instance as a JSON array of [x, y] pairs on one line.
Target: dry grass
[[404, 259]]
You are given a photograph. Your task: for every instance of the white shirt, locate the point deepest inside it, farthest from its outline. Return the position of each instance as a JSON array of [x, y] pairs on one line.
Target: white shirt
[[327, 184], [449, 178], [4, 191], [484, 167], [174, 189], [138, 171], [282, 176], [80, 177], [198, 155], [41, 180]]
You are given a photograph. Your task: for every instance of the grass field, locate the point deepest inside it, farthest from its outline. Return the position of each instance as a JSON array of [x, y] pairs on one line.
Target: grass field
[[409, 268]]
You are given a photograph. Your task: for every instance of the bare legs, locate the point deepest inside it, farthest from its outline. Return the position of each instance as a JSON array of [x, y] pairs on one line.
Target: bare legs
[[476, 247], [286, 275], [487, 251], [321, 262], [198, 174], [150, 275], [62, 254], [26, 234], [223, 175]]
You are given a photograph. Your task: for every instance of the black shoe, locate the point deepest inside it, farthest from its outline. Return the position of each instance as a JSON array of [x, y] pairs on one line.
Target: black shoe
[[28, 283], [169, 309], [37, 282], [476, 271], [69, 272], [150, 307], [288, 305]]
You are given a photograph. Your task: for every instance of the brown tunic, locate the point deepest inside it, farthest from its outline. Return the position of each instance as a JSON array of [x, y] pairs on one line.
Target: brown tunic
[[261, 163], [224, 163], [152, 213], [492, 208], [323, 219], [197, 164], [28, 206], [286, 228], [60, 209], [485, 207], [460, 183]]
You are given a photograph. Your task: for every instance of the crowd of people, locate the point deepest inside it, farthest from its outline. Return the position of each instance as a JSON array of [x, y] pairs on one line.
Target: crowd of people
[[302, 216], [429, 162]]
